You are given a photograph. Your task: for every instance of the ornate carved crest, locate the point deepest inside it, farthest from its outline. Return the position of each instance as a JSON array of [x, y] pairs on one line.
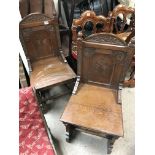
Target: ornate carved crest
[[105, 39], [35, 18]]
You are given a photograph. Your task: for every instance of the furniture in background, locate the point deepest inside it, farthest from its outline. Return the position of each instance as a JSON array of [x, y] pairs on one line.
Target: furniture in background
[[34, 134], [95, 106], [121, 21], [71, 9], [123, 25], [39, 36], [88, 24]]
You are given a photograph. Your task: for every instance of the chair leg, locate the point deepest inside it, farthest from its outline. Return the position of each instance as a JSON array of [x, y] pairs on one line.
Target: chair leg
[[69, 130], [111, 141], [41, 96]]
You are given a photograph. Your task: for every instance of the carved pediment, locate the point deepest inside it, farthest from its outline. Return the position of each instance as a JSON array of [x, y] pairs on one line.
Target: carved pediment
[[35, 18], [105, 39]]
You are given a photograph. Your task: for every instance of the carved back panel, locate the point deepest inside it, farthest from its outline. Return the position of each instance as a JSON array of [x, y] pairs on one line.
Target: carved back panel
[[39, 36], [103, 59], [122, 19], [27, 7], [89, 24]]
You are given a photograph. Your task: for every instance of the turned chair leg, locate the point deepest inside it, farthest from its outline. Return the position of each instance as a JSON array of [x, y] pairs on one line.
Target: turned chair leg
[[69, 130], [110, 144]]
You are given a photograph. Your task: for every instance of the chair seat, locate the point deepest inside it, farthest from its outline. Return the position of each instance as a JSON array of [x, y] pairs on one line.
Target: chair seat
[[95, 108], [50, 71]]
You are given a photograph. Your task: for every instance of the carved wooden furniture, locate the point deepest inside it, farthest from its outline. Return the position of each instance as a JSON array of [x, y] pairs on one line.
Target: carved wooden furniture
[[122, 21], [123, 25], [48, 67], [34, 134], [88, 24], [95, 106]]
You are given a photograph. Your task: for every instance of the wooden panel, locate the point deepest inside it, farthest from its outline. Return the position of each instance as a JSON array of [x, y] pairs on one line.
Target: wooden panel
[[39, 36], [95, 108], [102, 63], [40, 42]]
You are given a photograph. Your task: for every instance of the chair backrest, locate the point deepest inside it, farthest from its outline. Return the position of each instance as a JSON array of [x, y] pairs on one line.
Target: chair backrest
[[89, 24], [27, 7], [122, 19], [39, 36], [103, 59]]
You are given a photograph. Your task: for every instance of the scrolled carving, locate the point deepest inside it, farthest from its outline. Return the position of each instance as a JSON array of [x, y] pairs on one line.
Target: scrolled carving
[[104, 38], [35, 17]]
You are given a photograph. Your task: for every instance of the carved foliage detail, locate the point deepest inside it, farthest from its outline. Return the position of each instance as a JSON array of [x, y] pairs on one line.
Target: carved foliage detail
[[35, 18], [105, 39]]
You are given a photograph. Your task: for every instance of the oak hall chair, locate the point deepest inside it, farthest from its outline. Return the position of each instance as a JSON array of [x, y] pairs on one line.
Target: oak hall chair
[[39, 36], [95, 106]]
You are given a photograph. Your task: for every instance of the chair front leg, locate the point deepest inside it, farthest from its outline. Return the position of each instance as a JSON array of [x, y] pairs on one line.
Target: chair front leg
[[110, 144], [69, 130]]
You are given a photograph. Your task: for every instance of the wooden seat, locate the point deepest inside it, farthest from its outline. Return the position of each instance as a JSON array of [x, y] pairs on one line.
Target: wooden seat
[[49, 72], [95, 106], [48, 67], [98, 103]]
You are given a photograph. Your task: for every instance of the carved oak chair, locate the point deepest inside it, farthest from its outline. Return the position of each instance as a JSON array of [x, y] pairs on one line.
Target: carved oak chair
[[95, 106], [39, 36], [88, 24]]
